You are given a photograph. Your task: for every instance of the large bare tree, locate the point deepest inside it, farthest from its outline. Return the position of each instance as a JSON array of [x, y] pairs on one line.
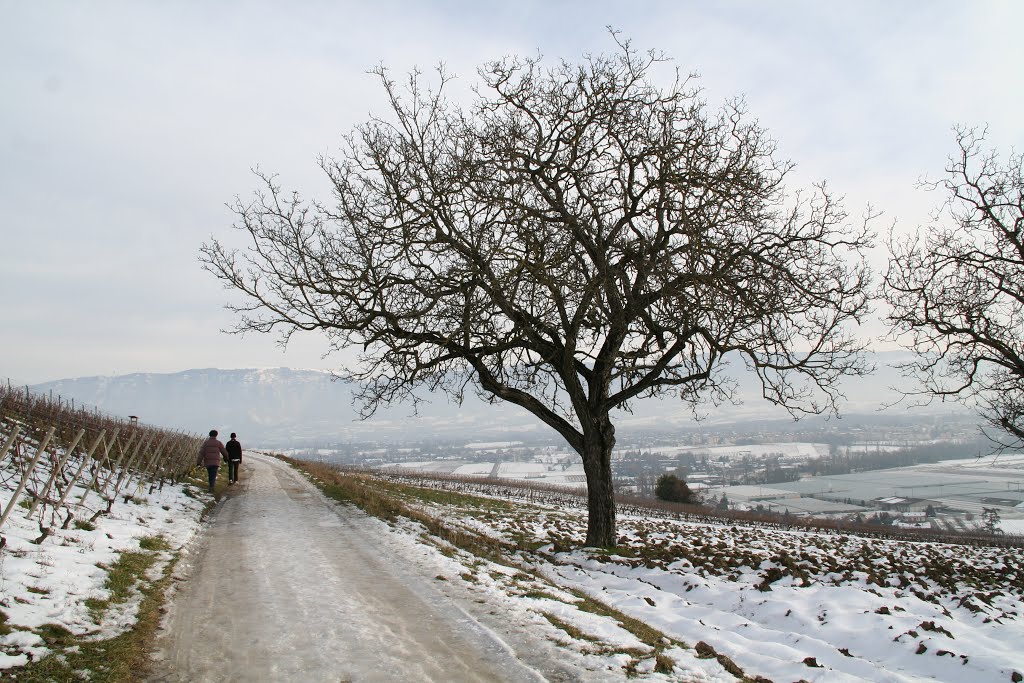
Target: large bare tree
[[574, 240], [957, 288]]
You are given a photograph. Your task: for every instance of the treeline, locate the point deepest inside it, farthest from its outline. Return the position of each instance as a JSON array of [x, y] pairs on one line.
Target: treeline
[[848, 463]]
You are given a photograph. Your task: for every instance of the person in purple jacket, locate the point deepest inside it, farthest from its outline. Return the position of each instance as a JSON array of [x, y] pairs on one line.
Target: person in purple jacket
[[210, 454]]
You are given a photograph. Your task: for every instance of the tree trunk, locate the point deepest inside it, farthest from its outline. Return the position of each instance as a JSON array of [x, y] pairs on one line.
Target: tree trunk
[[597, 463]]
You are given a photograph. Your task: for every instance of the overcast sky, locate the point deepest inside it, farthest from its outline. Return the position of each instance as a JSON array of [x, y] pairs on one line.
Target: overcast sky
[[125, 128]]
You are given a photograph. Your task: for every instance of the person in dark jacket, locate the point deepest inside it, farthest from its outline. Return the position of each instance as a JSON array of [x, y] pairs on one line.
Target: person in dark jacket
[[234, 458], [210, 455]]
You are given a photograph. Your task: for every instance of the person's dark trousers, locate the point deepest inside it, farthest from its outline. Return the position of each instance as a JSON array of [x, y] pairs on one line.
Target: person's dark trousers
[[233, 470], [212, 469]]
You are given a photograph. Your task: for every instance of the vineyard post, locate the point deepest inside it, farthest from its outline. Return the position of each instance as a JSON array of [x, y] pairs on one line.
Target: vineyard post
[[54, 472], [188, 454], [144, 471], [24, 477], [99, 466], [10, 441], [185, 457], [154, 467], [81, 468], [169, 464], [165, 464], [117, 469], [154, 461], [125, 473]]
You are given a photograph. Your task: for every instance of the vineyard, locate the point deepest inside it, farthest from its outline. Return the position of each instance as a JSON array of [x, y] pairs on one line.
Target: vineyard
[[61, 464], [94, 512]]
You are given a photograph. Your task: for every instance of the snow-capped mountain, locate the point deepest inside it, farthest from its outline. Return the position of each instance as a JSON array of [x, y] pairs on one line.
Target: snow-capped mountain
[[286, 407], [274, 406]]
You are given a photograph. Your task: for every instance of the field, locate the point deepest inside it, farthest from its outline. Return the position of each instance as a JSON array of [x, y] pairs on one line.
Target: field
[[703, 599]]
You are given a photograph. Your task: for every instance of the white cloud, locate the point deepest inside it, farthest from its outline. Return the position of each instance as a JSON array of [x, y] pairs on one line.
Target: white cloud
[[126, 127]]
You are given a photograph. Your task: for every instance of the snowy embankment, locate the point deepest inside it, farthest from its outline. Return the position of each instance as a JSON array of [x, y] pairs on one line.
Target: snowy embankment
[[791, 606], [759, 601], [59, 582]]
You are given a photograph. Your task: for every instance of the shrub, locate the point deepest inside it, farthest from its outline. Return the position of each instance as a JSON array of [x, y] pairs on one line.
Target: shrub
[[673, 489]]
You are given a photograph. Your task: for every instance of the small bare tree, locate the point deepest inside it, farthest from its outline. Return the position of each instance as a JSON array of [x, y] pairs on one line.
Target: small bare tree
[[575, 240], [957, 290]]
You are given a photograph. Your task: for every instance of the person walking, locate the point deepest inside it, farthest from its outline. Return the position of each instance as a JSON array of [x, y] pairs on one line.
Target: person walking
[[234, 458], [210, 455]]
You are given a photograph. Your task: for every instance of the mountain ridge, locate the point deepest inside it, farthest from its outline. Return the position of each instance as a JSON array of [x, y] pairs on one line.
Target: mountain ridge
[[285, 406]]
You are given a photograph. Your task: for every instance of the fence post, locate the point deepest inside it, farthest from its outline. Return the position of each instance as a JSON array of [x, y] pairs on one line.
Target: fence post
[[153, 462], [117, 469], [189, 451], [24, 477], [166, 463], [184, 456], [124, 463], [143, 473]]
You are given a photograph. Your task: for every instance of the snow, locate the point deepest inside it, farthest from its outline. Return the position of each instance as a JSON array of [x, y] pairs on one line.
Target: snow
[[1014, 527], [771, 633], [49, 583], [476, 469], [867, 609], [838, 624], [535, 472], [801, 450]]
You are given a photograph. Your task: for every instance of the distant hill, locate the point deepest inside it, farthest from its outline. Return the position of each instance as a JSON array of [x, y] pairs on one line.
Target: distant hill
[[286, 407], [275, 406]]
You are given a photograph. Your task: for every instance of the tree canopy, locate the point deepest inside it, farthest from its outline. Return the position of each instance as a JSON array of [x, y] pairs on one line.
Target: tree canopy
[[574, 240], [957, 288]]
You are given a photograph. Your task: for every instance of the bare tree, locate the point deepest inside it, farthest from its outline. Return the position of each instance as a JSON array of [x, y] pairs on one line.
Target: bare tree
[[576, 239], [957, 290]]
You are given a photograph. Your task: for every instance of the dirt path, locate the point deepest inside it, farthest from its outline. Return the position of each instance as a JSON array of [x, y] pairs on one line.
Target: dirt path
[[289, 586]]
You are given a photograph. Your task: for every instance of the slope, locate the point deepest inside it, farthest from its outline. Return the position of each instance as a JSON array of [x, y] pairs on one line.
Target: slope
[[714, 601]]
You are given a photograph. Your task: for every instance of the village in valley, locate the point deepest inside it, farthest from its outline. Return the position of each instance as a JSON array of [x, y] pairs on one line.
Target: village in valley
[[936, 472]]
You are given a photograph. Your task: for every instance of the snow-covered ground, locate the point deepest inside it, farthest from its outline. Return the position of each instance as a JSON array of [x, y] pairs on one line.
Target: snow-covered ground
[[819, 628], [558, 474], [1014, 527], [783, 605], [49, 583]]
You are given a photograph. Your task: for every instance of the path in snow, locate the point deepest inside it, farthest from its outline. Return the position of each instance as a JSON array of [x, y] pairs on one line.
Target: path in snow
[[289, 586]]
